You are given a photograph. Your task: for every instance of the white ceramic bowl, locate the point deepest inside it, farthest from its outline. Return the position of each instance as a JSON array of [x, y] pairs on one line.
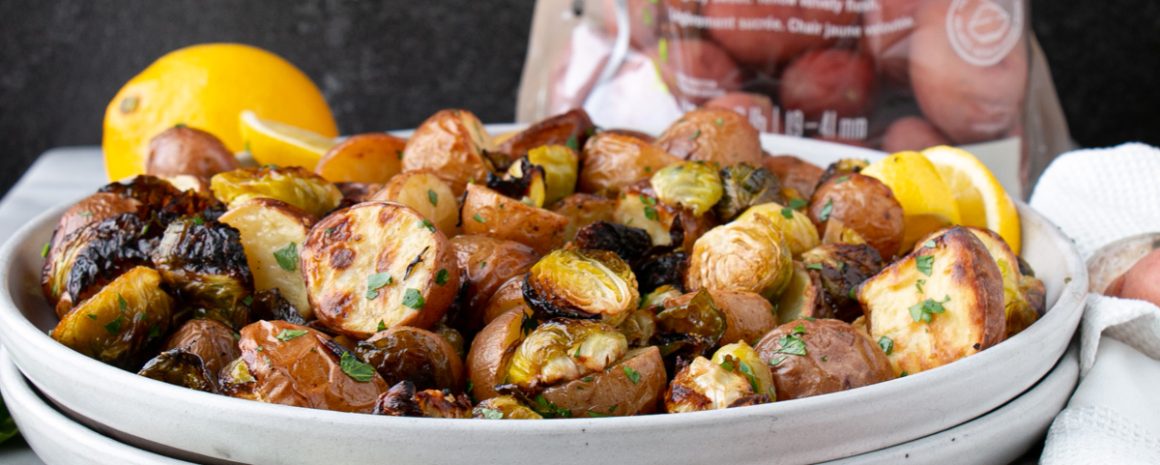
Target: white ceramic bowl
[[205, 428]]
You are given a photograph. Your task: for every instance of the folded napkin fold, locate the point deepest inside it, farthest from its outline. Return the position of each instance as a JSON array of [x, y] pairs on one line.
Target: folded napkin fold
[[1098, 196]]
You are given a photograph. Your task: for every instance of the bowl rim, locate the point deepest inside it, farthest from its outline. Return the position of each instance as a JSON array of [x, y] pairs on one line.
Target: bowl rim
[[1068, 306]]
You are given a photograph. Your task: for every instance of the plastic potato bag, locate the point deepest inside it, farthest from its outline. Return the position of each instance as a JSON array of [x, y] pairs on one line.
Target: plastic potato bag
[[886, 74]]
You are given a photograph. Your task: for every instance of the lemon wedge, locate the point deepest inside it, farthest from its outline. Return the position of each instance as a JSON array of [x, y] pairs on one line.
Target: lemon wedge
[[981, 199], [275, 143], [927, 202]]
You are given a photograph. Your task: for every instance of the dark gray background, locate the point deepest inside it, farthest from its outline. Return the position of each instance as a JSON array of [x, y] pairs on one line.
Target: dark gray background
[[391, 63]]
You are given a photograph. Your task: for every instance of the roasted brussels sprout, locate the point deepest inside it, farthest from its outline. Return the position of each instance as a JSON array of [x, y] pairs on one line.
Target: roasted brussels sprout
[[842, 167], [800, 234], [626, 241], [163, 201], [270, 305], [523, 181], [640, 326], [211, 341], [836, 270], [812, 357], [583, 210], [121, 321], [704, 385], [632, 386], [293, 185], [862, 205], [235, 380], [693, 185], [92, 209], [745, 186], [581, 283], [742, 256], [559, 351], [485, 263], [416, 355], [404, 400], [690, 325], [740, 357], [205, 263], [504, 408], [798, 177], [561, 168], [570, 129], [665, 269], [91, 257], [180, 368]]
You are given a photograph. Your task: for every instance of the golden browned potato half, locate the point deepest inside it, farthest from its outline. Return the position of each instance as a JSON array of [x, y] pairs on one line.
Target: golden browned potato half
[[734, 377], [411, 354], [378, 265], [487, 263], [299, 366], [632, 386], [372, 157], [612, 162], [741, 256], [185, 150], [860, 204], [938, 304], [215, 343], [799, 177], [272, 233], [583, 210], [571, 128], [812, 357], [452, 144], [490, 213], [427, 194], [715, 135], [490, 350]]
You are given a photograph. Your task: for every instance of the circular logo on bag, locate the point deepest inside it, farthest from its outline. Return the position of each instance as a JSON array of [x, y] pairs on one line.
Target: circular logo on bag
[[982, 32]]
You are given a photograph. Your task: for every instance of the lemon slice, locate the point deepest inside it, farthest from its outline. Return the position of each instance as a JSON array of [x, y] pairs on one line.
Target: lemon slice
[[927, 203], [981, 199], [275, 143]]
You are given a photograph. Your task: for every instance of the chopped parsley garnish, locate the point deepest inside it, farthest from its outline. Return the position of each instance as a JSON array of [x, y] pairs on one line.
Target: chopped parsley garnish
[[382, 326], [412, 298], [573, 144], [791, 344], [814, 266], [114, 327], [548, 409], [919, 285], [426, 223], [787, 213], [826, 210], [923, 311], [122, 303], [198, 220], [925, 264], [399, 153], [289, 334], [719, 121], [748, 372], [44, 250], [929, 244], [432, 197], [886, 344], [92, 316], [632, 374], [287, 257], [377, 281], [650, 213], [842, 179], [86, 214], [489, 413], [154, 332], [797, 204], [696, 134], [248, 300], [587, 379], [478, 219], [442, 276], [355, 368]]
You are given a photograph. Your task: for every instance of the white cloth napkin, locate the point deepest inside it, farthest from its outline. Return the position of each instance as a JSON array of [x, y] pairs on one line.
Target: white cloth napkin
[[1098, 196]]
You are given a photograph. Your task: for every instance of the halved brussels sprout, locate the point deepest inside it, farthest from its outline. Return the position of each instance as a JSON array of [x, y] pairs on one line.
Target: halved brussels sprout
[[581, 283], [180, 368], [121, 321], [746, 186], [559, 351], [694, 185], [657, 297], [561, 168], [626, 241], [836, 270], [741, 256], [416, 355], [504, 408], [93, 256], [403, 400], [640, 326], [799, 231], [523, 181], [235, 380], [704, 385], [291, 184], [164, 201], [215, 343], [739, 357], [205, 262], [690, 324]]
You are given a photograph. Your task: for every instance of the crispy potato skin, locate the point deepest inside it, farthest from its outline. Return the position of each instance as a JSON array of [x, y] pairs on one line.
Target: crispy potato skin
[[862, 204], [344, 249], [612, 161], [371, 158], [837, 358], [974, 320], [714, 135], [411, 354], [748, 315], [486, 263], [452, 144], [185, 150], [209, 339], [487, 212], [490, 351], [574, 125], [797, 175], [612, 392], [266, 226], [303, 371], [582, 210], [415, 189]]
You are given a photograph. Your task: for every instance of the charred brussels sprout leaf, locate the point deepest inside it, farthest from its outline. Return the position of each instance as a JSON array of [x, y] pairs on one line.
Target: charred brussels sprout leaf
[[666, 269], [746, 186], [269, 305], [582, 283], [180, 368], [523, 181], [292, 185], [206, 264], [164, 202], [628, 242], [559, 351], [694, 185], [403, 400], [690, 324], [836, 269], [95, 255]]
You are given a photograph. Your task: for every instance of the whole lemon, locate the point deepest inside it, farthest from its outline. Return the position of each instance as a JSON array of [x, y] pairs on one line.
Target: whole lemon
[[207, 86]]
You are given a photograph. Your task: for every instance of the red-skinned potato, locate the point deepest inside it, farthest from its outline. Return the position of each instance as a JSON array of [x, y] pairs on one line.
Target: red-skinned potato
[[765, 49], [373, 158], [571, 128], [452, 143], [214, 342], [860, 204], [613, 161], [490, 350], [489, 213], [508, 297], [969, 102], [631, 133], [632, 386], [378, 264], [812, 357], [426, 193], [798, 176], [828, 80], [757, 108], [486, 263], [911, 133], [748, 315], [582, 210], [296, 365], [696, 69], [185, 150], [714, 135], [416, 355]]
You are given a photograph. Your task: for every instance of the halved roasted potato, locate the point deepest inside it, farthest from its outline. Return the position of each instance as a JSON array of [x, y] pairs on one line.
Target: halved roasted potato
[[378, 265], [799, 232], [426, 193], [860, 204], [291, 184], [492, 348], [668, 225], [583, 210], [189, 182], [204, 262], [486, 263], [373, 157], [570, 129], [506, 298], [489, 213], [452, 144], [272, 233], [612, 162], [582, 283], [798, 177], [119, 322], [299, 366], [411, 354], [631, 386], [748, 316], [811, 357], [715, 135], [741, 256], [734, 377], [938, 304]]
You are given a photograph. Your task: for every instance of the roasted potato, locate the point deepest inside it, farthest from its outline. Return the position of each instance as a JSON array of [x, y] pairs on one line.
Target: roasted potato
[[293, 185], [612, 162], [189, 182], [492, 348], [863, 205], [745, 186], [714, 135], [504, 408], [299, 366], [452, 144], [689, 325], [811, 357], [798, 177], [669, 225], [485, 263], [272, 233], [121, 321], [357, 192], [836, 270], [741, 256], [205, 264], [489, 213], [427, 194], [416, 355], [405, 400], [582, 283], [373, 158], [184, 150], [799, 231], [631, 386], [507, 297], [93, 256], [570, 129], [938, 304], [694, 185], [378, 265], [180, 368], [800, 298], [582, 210], [748, 316], [626, 241], [735, 377], [210, 340], [562, 350]]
